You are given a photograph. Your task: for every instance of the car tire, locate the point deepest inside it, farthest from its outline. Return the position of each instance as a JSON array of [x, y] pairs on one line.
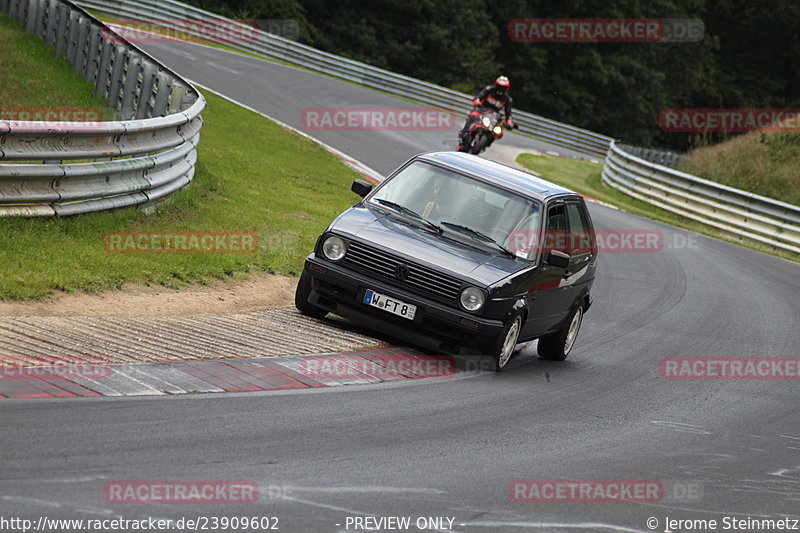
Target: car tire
[[556, 346], [504, 347], [301, 298]]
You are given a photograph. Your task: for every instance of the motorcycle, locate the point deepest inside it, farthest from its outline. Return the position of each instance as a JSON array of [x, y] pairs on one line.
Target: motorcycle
[[484, 131]]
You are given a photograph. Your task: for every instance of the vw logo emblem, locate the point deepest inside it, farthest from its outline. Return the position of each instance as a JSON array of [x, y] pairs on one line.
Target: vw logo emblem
[[401, 271]]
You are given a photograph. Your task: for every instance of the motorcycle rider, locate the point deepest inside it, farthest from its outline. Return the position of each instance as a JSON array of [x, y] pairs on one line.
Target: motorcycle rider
[[495, 96]]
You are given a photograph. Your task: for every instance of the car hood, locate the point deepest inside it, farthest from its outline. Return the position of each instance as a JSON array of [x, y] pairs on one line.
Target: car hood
[[448, 252]]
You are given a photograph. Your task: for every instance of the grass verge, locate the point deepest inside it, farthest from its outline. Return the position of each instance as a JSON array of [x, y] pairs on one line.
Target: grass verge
[[31, 78], [764, 163], [584, 177], [252, 176]]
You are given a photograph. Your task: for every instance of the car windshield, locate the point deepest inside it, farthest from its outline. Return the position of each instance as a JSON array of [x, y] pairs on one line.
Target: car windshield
[[450, 200]]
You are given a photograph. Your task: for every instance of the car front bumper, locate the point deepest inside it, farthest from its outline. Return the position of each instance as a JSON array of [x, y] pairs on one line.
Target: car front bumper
[[436, 326]]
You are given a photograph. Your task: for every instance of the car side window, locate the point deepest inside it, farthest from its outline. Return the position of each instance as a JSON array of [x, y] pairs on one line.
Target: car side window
[[579, 235], [556, 234]]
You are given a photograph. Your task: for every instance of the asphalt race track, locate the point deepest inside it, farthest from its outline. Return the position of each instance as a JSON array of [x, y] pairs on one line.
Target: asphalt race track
[[451, 448]]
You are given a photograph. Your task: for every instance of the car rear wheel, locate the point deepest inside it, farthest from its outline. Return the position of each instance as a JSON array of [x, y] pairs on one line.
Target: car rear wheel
[[557, 346], [301, 295], [504, 346]]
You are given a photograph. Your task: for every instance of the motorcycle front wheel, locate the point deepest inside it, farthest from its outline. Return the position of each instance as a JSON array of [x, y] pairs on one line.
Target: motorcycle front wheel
[[479, 144]]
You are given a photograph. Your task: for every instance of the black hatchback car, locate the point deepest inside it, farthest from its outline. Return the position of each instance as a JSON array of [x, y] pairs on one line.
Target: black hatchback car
[[459, 255]]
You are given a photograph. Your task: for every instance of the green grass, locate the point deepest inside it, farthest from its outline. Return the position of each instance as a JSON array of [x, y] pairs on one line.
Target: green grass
[[32, 78], [252, 176], [584, 177], [765, 163]]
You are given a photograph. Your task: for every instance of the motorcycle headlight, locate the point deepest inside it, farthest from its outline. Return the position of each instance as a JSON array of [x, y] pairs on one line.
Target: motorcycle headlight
[[487, 122], [334, 248], [497, 130], [472, 298]]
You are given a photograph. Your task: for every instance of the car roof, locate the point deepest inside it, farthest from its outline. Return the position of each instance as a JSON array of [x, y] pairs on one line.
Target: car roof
[[496, 173]]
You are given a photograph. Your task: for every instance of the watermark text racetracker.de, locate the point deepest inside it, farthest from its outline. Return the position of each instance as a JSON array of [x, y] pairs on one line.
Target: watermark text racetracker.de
[[731, 368], [610, 30], [604, 491], [113, 525], [181, 242], [347, 366], [192, 30], [615, 241], [21, 119], [180, 491], [692, 120], [376, 119], [68, 371]]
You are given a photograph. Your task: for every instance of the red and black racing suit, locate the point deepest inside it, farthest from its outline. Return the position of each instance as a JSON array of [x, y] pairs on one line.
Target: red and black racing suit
[[488, 97]]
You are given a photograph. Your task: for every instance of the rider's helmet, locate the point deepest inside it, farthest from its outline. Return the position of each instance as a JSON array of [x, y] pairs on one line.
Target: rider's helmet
[[502, 85]]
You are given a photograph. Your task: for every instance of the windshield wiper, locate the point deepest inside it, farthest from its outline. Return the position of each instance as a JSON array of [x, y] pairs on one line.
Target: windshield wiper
[[482, 236], [410, 212]]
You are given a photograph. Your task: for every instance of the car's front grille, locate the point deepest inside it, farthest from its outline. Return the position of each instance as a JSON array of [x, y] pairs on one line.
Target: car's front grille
[[420, 279]]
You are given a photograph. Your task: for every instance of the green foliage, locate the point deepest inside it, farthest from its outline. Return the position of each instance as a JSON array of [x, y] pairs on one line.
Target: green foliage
[[748, 57]]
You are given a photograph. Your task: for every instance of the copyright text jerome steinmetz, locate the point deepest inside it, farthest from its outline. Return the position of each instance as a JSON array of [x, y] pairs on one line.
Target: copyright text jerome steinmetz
[[725, 523]]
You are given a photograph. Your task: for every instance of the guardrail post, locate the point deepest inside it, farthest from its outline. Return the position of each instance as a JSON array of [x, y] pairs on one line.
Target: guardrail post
[[62, 30], [163, 91], [81, 49], [72, 36], [33, 16], [117, 72], [51, 24], [93, 54], [14, 9], [146, 96], [102, 80], [131, 87], [176, 97], [41, 29]]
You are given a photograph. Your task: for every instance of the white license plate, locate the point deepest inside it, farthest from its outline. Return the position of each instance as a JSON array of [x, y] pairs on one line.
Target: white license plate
[[394, 306]]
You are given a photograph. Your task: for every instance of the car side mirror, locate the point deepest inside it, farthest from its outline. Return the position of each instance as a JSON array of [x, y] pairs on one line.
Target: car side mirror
[[557, 259], [361, 188]]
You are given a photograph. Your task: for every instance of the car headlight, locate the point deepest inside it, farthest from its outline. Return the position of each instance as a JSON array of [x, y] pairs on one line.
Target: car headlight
[[334, 248], [487, 122], [472, 298]]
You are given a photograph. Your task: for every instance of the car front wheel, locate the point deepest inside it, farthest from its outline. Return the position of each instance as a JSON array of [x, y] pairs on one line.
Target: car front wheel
[[557, 346], [504, 346], [301, 295]]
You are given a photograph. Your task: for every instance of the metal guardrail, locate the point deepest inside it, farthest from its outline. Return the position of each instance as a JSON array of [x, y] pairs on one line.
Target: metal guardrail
[[639, 172], [661, 157], [146, 156], [738, 214], [173, 14]]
